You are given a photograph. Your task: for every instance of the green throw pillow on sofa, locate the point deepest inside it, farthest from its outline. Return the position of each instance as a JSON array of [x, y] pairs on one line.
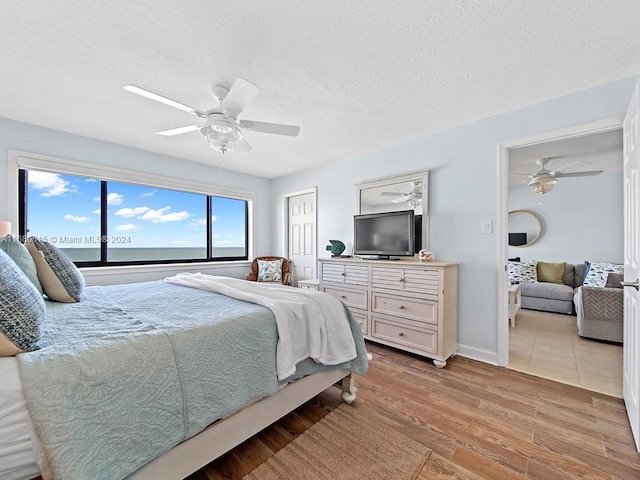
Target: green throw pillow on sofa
[[551, 272]]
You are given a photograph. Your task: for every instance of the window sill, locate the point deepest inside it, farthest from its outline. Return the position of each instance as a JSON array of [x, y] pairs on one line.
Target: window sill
[[161, 268]]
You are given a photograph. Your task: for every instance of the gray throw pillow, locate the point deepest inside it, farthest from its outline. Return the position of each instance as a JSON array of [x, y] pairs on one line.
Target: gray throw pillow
[[60, 279], [22, 309], [614, 279], [21, 256]]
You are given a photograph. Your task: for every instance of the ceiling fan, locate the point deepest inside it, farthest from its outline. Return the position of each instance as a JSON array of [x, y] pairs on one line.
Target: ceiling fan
[[544, 179], [220, 124], [412, 197]]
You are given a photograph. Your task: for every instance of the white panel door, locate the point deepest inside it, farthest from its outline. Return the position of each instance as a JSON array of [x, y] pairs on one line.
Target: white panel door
[[302, 236], [631, 335]]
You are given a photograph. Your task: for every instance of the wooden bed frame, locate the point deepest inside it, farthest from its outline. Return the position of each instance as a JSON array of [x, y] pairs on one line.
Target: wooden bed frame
[[230, 431]]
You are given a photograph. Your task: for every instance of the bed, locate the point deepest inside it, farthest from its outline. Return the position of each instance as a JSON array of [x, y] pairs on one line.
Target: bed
[[157, 379]]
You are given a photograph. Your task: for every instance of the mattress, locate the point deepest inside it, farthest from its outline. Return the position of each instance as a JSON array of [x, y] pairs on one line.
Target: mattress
[[19, 447]]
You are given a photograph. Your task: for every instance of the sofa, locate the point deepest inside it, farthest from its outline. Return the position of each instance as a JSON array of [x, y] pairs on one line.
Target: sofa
[[554, 297], [599, 309]]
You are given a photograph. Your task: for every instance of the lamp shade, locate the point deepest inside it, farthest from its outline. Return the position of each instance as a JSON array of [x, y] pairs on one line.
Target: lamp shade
[[5, 228]]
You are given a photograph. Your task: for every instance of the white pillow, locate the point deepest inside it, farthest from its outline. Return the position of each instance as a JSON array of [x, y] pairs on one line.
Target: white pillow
[[525, 272], [270, 270], [597, 273]]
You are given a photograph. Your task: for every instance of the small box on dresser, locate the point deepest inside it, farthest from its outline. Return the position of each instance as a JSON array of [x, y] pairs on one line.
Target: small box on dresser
[[405, 304]]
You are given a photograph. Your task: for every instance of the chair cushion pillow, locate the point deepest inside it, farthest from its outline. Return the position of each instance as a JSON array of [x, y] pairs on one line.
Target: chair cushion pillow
[[270, 270], [60, 279], [21, 257], [22, 309], [551, 272]]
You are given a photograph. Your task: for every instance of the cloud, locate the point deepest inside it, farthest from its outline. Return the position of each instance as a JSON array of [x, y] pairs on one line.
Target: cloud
[[114, 199], [127, 227], [160, 215], [90, 180], [131, 212], [52, 184], [200, 222], [77, 218], [97, 212], [179, 242], [148, 194]]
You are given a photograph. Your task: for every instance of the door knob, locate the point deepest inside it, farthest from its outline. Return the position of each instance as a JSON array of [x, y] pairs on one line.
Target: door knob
[[635, 284]]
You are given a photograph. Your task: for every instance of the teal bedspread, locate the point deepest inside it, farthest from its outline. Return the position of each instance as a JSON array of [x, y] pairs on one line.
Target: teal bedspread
[[133, 370]]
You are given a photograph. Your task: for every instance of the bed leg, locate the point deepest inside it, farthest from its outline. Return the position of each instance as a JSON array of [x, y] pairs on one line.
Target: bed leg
[[348, 389]]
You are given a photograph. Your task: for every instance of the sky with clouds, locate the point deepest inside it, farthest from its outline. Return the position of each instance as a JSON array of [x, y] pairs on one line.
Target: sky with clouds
[[65, 207]]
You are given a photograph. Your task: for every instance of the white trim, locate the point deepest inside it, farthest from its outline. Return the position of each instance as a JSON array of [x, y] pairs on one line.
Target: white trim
[[579, 130], [19, 159], [285, 240], [477, 354]]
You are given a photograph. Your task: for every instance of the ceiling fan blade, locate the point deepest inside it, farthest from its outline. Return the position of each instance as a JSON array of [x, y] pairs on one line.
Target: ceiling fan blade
[[391, 194], [179, 130], [570, 165], [591, 173], [524, 174], [243, 146], [276, 128], [240, 95], [167, 101], [399, 200]]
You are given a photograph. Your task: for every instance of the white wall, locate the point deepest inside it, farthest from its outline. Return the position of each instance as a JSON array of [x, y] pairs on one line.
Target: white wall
[[463, 188], [581, 220], [34, 139]]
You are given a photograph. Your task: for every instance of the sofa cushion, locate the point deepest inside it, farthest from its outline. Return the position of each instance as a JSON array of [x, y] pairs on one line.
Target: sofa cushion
[[551, 272], [614, 279], [553, 291]]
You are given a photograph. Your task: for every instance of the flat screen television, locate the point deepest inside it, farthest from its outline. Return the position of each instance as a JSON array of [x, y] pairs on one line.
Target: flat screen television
[[384, 234]]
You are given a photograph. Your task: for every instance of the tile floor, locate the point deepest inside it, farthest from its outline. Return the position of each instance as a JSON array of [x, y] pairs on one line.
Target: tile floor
[[547, 345]]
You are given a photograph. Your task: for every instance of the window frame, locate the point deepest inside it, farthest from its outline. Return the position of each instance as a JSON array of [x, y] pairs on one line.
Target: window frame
[[19, 161]]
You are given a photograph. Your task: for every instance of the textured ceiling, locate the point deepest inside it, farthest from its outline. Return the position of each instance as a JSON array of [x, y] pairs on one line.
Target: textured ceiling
[[355, 76]]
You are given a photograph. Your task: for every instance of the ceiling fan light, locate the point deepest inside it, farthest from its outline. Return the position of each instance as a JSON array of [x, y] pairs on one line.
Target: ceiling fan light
[[223, 136], [543, 185]]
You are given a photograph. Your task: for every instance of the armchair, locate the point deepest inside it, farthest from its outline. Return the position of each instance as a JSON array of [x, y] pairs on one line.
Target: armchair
[[286, 264]]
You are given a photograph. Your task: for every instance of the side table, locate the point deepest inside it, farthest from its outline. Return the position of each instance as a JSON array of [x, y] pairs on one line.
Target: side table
[[310, 284], [515, 302]]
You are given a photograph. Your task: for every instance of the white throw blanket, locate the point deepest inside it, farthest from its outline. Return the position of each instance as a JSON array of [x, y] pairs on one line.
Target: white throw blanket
[[310, 324]]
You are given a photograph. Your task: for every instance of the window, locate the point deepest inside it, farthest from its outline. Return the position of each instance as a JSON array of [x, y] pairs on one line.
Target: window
[[98, 222]]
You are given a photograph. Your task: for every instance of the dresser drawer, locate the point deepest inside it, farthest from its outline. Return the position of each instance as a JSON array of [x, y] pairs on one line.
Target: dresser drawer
[[423, 281], [401, 334], [347, 274], [351, 298], [414, 309], [360, 316]]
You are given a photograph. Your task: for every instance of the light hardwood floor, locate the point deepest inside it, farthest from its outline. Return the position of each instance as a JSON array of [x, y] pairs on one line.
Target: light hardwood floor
[[481, 421], [548, 345]]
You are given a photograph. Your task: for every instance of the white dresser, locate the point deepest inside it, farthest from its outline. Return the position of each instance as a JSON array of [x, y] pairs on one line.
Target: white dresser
[[405, 304]]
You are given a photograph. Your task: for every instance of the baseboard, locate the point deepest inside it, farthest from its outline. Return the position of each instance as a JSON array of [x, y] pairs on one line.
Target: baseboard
[[479, 354]]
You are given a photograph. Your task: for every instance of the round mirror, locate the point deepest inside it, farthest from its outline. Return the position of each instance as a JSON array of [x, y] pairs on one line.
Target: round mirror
[[524, 228]]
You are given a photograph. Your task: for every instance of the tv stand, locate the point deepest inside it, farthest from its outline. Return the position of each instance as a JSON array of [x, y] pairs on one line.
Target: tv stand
[[406, 304]]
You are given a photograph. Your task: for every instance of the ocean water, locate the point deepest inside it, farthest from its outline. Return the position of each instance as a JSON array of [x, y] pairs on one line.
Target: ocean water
[[145, 254]]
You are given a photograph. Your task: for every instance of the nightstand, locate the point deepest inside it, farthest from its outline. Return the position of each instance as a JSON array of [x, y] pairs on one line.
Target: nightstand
[[309, 284]]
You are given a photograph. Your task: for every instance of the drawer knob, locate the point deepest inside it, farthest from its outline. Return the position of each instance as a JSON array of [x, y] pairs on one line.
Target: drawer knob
[[401, 334], [401, 279], [343, 296], [401, 307], [344, 274]]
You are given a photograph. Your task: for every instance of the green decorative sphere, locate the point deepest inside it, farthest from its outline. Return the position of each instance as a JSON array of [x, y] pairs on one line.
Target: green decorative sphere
[[336, 248]]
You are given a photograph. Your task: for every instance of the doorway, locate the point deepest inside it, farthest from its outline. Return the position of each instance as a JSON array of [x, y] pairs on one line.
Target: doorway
[[570, 149]]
